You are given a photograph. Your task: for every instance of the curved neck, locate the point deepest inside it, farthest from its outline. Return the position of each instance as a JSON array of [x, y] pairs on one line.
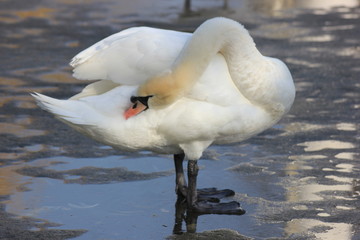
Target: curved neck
[[218, 35]]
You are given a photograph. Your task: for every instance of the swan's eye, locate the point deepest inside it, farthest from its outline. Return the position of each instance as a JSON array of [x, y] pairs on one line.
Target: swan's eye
[[142, 100], [135, 105]]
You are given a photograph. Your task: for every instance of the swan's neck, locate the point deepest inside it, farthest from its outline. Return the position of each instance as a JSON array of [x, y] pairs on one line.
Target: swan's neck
[[218, 35]]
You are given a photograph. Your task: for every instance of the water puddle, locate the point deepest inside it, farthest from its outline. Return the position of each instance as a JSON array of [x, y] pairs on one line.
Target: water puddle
[[61, 190]]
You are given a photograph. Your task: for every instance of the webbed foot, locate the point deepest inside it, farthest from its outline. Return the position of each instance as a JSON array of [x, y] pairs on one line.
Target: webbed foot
[[202, 201], [207, 194], [213, 195], [205, 207]]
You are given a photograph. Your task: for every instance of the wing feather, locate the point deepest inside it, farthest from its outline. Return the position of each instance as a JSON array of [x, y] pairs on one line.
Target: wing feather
[[129, 57]]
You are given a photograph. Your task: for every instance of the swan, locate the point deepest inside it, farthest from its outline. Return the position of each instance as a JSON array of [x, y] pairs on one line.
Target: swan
[[177, 93]]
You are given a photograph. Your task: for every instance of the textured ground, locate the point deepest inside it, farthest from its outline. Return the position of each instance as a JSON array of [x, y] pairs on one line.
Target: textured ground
[[298, 180]]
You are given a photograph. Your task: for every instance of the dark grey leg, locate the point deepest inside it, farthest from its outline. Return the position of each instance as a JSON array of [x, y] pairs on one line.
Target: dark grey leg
[[181, 186], [193, 170]]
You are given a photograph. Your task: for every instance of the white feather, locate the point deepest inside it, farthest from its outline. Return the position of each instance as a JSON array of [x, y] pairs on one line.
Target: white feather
[[131, 56]]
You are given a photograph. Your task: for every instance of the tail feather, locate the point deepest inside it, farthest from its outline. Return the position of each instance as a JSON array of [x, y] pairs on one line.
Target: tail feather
[[69, 110]]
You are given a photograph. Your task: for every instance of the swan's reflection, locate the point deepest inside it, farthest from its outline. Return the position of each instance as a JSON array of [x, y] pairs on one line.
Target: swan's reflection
[[182, 215]]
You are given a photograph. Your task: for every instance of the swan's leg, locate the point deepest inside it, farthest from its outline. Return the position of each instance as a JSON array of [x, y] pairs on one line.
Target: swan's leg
[[206, 207], [193, 170], [204, 194], [181, 187]]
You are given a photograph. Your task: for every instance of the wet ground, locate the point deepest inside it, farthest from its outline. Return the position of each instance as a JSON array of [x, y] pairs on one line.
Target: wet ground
[[298, 180]]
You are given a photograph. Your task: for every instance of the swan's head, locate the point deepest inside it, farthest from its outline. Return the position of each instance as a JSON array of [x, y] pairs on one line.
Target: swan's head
[[139, 104], [157, 92]]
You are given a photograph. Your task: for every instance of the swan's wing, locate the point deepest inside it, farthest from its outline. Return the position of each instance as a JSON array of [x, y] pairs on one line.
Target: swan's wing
[[129, 57]]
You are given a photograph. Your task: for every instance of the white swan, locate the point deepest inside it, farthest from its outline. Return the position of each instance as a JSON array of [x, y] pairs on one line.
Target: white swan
[[177, 93]]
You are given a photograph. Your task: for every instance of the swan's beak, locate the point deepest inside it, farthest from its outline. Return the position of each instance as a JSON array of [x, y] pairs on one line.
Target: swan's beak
[[135, 109]]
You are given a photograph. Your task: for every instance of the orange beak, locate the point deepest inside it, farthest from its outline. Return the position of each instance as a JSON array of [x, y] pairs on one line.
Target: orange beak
[[135, 109]]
